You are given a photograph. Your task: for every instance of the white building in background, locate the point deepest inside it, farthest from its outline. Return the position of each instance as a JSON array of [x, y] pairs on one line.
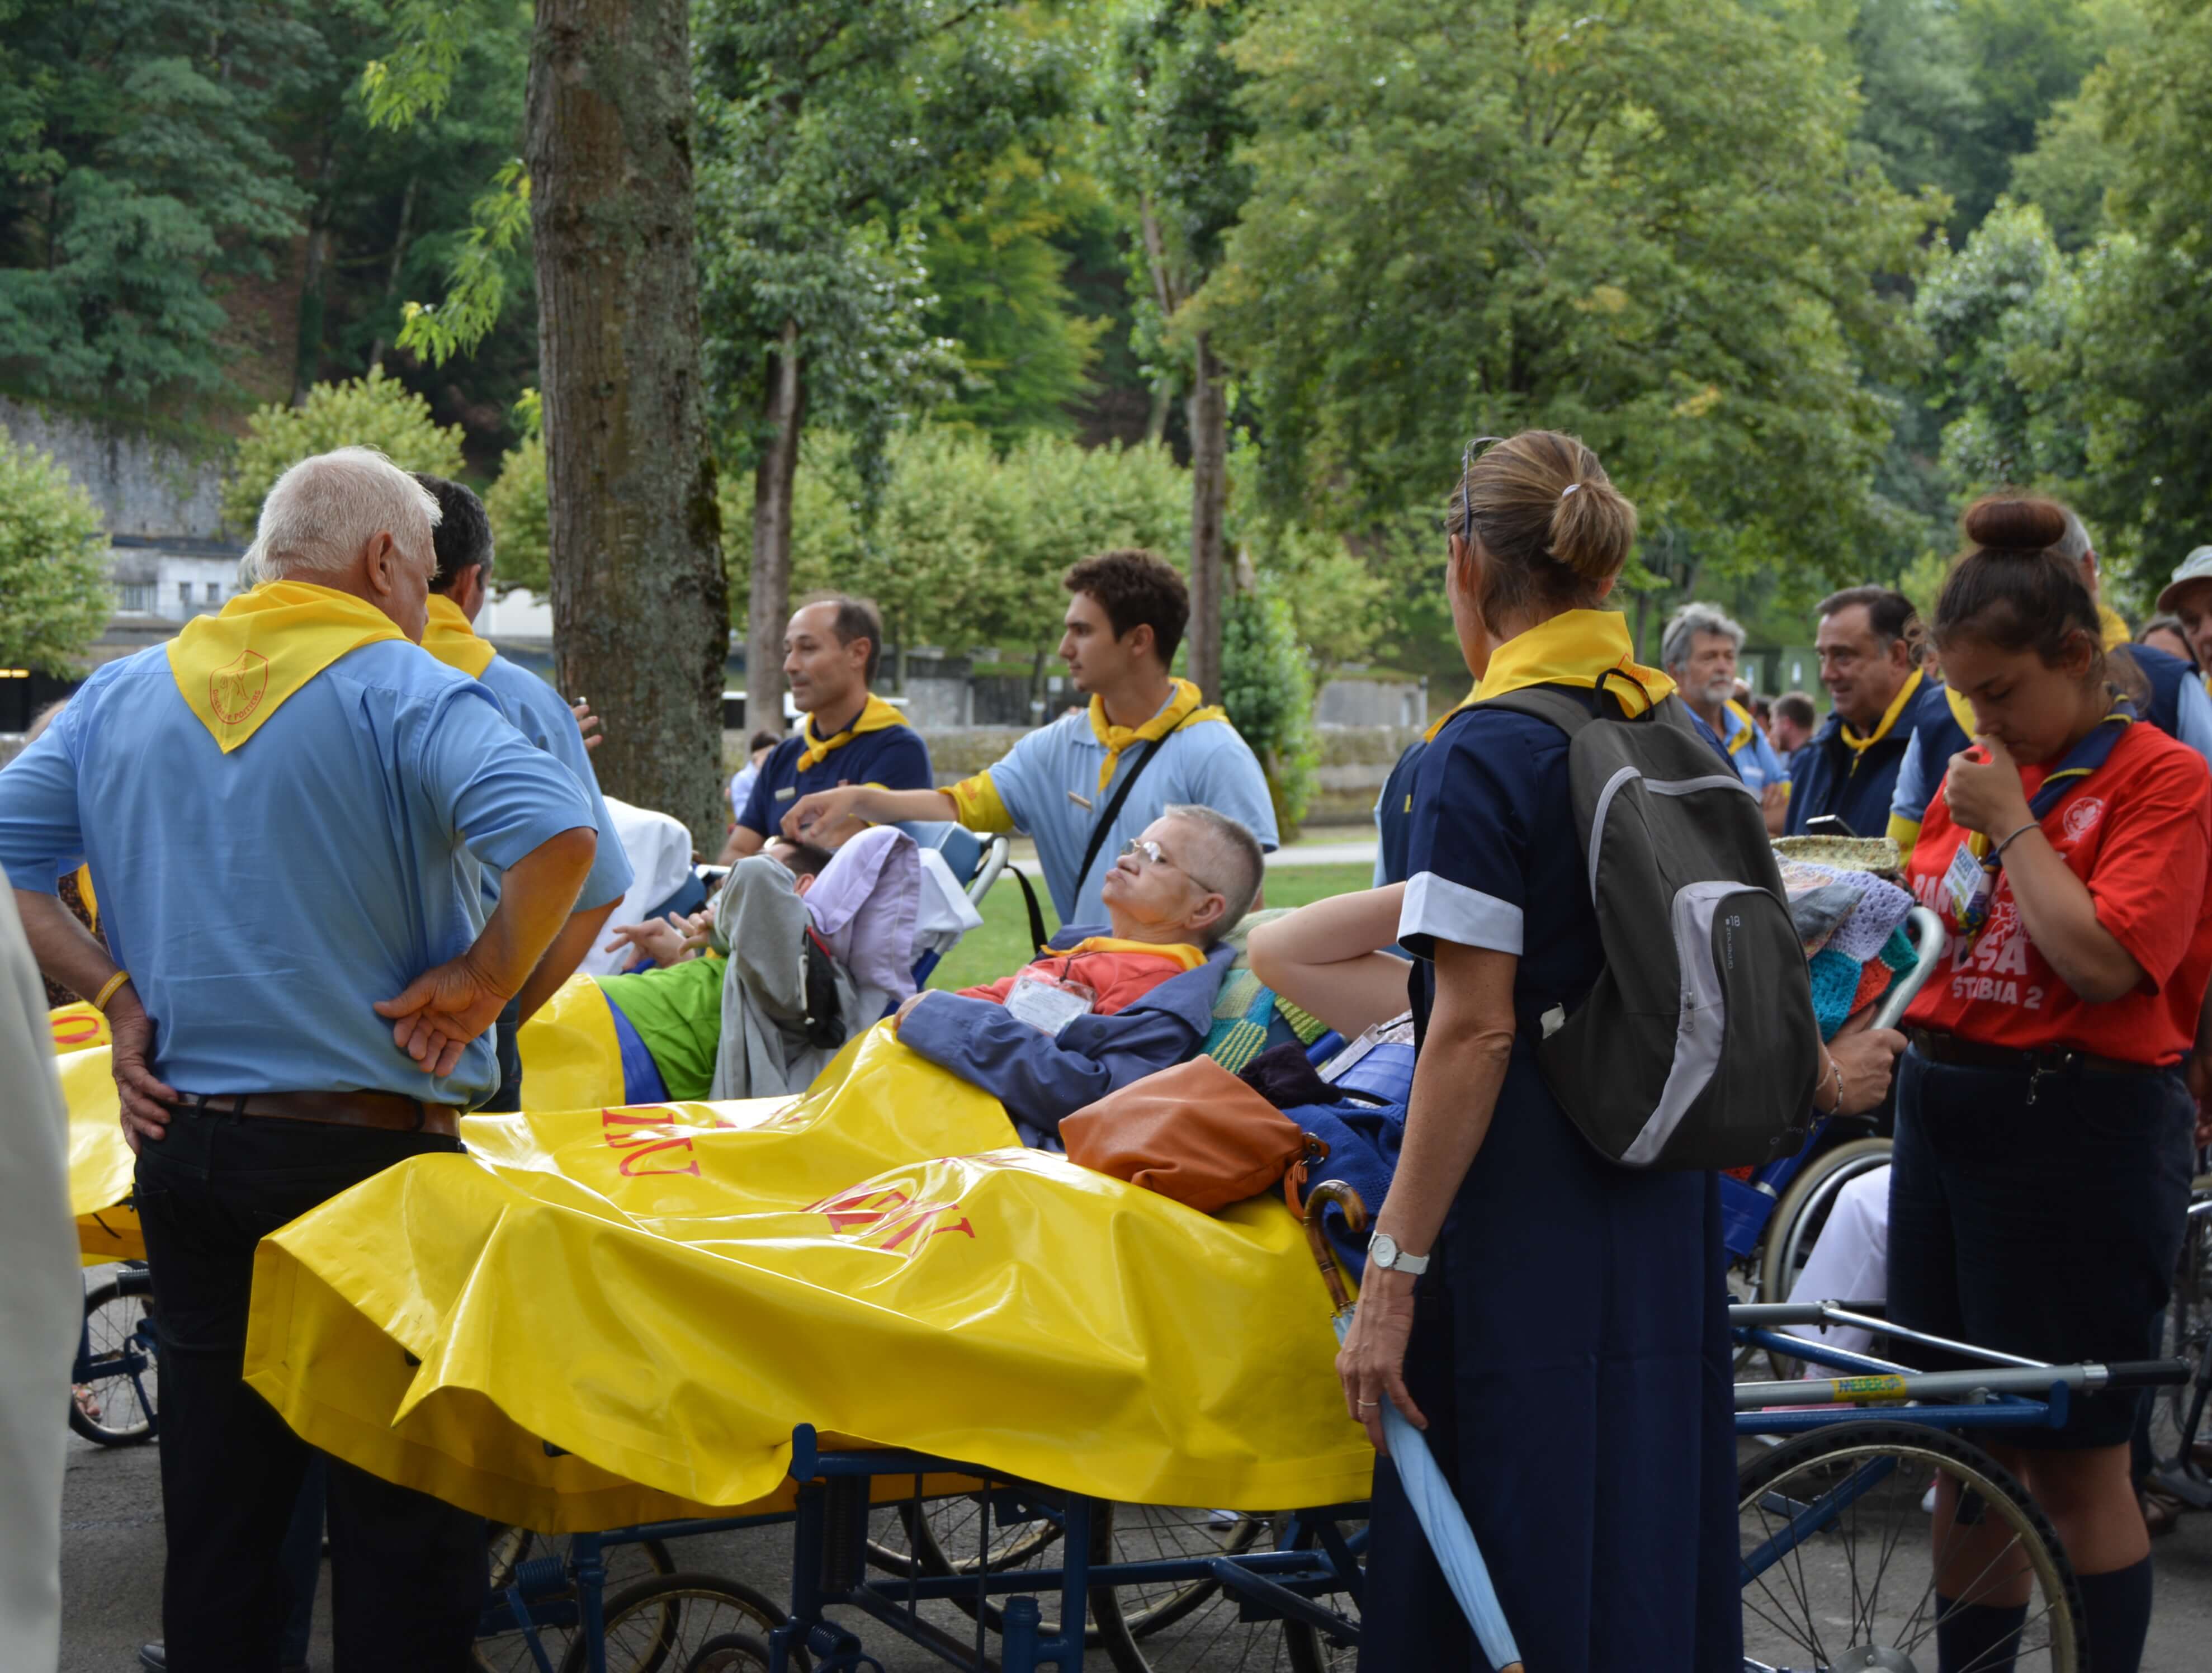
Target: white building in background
[[173, 578]]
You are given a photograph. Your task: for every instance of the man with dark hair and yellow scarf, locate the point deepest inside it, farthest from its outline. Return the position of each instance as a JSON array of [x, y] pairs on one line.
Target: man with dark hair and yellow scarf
[[832, 651], [1126, 615]]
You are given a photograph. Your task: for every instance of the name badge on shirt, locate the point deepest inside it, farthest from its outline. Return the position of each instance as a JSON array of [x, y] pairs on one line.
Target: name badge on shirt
[[1079, 800], [1969, 884], [1049, 1002], [786, 792]]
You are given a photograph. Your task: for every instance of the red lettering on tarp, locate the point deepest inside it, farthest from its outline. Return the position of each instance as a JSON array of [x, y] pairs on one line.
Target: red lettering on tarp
[[644, 1131], [71, 1032], [889, 1218], [629, 1163]]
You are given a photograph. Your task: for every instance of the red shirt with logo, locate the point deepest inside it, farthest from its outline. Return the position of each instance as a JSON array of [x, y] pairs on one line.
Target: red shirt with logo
[[2138, 832]]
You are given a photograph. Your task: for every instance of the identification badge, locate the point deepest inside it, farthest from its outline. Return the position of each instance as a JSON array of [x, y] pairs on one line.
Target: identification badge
[[1969, 884], [1079, 800], [1047, 1002], [786, 792]]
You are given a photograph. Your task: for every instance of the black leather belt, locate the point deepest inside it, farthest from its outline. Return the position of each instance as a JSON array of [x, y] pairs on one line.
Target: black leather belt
[[388, 1112], [2034, 1062]]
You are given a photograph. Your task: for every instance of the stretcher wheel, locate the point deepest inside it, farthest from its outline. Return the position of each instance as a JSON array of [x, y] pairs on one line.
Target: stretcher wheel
[[941, 1535], [115, 1390], [2185, 1330], [556, 1607], [1839, 1568], [662, 1625], [1198, 1627], [730, 1653]]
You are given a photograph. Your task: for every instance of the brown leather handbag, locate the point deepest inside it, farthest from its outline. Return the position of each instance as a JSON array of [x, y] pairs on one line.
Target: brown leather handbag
[[1195, 1132]]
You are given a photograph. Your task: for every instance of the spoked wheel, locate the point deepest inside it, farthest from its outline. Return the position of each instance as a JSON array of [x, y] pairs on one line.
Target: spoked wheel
[[1797, 1223], [942, 1537], [554, 1603], [1839, 1565], [2178, 1440], [1307, 1650], [1188, 1625], [667, 1624], [118, 1401]]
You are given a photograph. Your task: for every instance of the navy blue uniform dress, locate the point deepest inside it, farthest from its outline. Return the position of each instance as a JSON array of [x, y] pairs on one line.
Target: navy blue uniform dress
[[1569, 1348]]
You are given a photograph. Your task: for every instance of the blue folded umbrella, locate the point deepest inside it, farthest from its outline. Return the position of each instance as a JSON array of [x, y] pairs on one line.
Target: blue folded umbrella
[[1445, 1524]]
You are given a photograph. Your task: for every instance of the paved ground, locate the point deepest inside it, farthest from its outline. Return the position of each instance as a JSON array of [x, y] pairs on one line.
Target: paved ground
[[112, 1554]]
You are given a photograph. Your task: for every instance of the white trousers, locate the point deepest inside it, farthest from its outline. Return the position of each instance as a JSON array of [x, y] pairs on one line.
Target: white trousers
[[1850, 1261]]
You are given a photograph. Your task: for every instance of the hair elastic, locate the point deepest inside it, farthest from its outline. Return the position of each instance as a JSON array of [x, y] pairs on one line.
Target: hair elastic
[[1569, 489]]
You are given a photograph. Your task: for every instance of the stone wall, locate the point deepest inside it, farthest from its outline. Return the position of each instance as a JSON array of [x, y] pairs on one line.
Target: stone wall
[[141, 485]]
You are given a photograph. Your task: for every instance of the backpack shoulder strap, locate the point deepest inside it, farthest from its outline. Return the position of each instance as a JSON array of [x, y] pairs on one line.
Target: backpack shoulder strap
[[1561, 706]]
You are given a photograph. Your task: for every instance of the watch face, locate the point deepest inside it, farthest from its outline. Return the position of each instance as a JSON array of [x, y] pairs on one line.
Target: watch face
[[1383, 1249]]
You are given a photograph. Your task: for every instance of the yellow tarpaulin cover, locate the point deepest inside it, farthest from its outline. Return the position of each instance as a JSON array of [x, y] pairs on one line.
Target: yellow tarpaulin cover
[[663, 1292]]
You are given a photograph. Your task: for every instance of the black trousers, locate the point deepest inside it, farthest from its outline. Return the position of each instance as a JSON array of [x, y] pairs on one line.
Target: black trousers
[[408, 1573]]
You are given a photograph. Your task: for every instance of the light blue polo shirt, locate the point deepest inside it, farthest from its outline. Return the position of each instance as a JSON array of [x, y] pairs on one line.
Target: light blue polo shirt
[[264, 900], [1206, 762], [536, 711]]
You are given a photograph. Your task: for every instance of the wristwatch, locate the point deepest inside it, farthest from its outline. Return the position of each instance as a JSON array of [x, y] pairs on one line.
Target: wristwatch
[[1383, 1251]]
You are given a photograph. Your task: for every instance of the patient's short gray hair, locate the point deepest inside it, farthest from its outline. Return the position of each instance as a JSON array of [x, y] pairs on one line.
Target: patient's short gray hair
[[1229, 862], [324, 509], [1691, 620]]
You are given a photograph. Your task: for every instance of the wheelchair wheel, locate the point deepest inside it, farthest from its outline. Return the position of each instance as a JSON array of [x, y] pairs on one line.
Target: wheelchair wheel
[[116, 1400], [668, 1621], [554, 1605], [1839, 1565], [1798, 1218], [730, 1653]]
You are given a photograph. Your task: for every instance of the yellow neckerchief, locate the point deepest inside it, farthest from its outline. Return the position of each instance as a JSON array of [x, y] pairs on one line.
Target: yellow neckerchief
[[1575, 647], [236, 668], [1182, 952], [2115, 626], [875, 715], [1737, 740], [84, 893], [1857, 746], [1182, 710], [449, 637]]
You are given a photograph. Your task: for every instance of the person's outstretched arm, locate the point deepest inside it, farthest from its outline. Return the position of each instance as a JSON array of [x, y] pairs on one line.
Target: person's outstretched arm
[[1327, 958], [826, 810]]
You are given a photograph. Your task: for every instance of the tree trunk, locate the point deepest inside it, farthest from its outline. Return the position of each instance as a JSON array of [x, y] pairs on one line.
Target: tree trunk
[[768, 606], [1209, 496], [307, 348], [398, 259], [640, 608]]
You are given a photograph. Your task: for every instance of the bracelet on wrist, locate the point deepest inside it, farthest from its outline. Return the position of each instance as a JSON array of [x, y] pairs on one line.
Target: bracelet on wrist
[[108, 991], [1997, 853], [1835, 1069]]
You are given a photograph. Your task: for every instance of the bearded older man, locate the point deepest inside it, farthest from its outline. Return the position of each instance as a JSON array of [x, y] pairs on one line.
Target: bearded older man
[[275, 807], [1699, 651]]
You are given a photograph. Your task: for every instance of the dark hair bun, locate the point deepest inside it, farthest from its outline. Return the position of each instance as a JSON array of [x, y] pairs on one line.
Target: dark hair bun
[[2015, 525]]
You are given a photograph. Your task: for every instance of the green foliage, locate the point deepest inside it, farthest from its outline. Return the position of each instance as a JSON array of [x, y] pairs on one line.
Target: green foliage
[[139, 174], [374, 411], [521, 521], [1470, 218], [476, 280], [415, 79], [1266, 686], [966, 547], [828, 133], [54, 597]]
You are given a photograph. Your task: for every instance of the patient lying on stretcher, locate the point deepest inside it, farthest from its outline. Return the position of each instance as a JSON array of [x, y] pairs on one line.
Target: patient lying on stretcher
[[1107, 1003]]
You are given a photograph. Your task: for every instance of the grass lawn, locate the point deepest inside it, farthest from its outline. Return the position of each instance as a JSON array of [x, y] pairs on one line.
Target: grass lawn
[[1002, 944]]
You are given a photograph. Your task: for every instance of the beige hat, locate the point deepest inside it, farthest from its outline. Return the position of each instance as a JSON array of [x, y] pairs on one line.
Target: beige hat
[[2196, 567]]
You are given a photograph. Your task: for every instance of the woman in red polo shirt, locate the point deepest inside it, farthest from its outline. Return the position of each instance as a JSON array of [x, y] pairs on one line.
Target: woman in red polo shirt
[[2043, 1125]]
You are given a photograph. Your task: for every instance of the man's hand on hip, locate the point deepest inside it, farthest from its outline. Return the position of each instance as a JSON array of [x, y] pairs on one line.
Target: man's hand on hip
[[440, 1012], [143, 1101]]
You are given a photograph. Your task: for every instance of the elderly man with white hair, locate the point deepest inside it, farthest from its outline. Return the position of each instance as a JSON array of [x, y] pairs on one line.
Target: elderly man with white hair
[[1699, 651], [275, 808]]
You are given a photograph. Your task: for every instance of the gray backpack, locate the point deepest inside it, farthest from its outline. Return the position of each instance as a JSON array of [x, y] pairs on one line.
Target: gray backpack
[[1698, 1047]]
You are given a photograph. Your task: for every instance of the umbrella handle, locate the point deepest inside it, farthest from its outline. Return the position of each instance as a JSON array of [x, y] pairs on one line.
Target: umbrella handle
[[1324, 1254]]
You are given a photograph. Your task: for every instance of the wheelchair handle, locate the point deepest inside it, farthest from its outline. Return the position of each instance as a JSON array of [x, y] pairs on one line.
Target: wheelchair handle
[[2149, 1374], [1928, 940]]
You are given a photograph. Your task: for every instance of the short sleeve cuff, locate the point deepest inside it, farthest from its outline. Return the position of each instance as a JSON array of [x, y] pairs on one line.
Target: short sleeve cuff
[[1437, 910], [977, 805]]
